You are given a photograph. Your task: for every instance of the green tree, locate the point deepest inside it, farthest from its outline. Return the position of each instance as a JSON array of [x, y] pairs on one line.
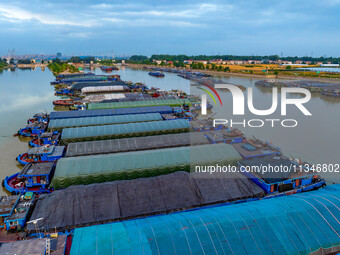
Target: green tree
[[288, 67], [227, 69]]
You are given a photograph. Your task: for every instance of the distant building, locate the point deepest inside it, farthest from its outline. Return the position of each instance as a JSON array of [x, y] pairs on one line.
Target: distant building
[[216, 61], [204, 62], [330, 65], [58, 55]]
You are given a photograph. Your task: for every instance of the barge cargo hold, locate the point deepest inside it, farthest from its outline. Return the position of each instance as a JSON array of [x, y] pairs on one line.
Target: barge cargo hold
[[108, 112], [138, 164], [299, 224], [102, 97], [91, 133], [59, 124], [135, 144], [132, 104], [105, 89], [129, 199], [81, 85]]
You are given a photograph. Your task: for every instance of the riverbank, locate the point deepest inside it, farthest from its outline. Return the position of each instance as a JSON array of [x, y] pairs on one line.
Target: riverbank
[[245, 75]]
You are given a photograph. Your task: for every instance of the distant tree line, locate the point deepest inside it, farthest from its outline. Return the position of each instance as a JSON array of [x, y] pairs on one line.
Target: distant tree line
[[86, 60], [181, 58]]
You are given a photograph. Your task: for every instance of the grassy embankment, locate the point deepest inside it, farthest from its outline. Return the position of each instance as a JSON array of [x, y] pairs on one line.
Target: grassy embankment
[[58, 68]]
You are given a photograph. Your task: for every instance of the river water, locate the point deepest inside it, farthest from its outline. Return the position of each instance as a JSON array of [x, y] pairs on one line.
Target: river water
[[316, 139]]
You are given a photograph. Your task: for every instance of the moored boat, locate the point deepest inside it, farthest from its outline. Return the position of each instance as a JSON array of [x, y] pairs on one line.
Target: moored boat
[[38, 117], [156, 74], [66, 102], [33, 129], [44, 153], [34, 177], [47, 138]]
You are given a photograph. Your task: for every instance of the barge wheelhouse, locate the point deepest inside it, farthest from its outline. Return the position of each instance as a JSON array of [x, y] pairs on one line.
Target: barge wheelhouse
[[34, 177], [225, 136], [255, 148], [18, 217], [278, 174], [41, 154], [33, 129], [39, 117], [47, 138]]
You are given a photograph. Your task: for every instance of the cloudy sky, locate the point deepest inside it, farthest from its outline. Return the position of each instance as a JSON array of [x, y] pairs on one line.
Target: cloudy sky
[[245, 27]]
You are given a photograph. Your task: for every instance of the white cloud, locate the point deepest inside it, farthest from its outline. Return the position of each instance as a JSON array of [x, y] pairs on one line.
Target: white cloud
[[101, 15], [14, 14], [190, 12]]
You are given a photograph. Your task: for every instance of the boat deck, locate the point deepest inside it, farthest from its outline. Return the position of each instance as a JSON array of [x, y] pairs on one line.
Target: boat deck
[[36, 169], [271, 176], [260, 150], [7, 203]]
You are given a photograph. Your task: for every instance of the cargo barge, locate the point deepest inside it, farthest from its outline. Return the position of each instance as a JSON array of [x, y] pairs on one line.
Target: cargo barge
[[156, 74]]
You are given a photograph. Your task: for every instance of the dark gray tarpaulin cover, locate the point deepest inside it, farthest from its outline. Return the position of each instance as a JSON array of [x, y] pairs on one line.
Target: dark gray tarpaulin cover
[[109, 112], [98, 203], [135, 144]]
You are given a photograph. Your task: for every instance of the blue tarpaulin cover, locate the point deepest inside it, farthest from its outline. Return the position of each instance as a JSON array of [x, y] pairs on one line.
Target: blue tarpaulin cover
[[305, 223]]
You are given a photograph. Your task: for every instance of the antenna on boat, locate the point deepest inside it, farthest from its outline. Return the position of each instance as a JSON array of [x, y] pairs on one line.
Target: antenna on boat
[[35, 224]]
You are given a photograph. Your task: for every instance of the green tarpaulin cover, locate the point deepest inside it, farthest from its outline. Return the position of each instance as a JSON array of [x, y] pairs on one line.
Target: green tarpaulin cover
[[132, 165], [58, 124], [91, 133], [131, 104]]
